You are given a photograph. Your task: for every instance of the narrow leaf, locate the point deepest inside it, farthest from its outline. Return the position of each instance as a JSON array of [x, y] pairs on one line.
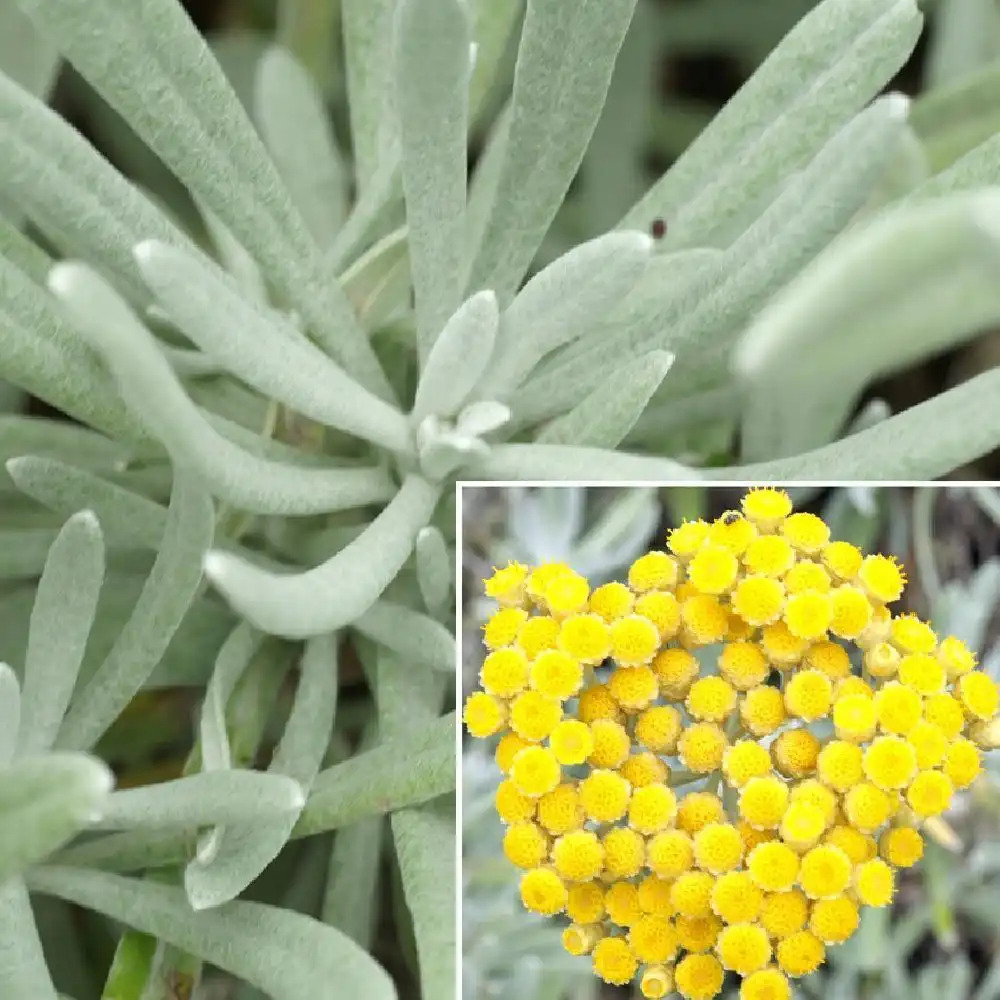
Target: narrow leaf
[[493, 24], [127, 518], [10, 714], [285, 954], [23, 969], [25, 53], [565, 462], [435, 569], [458, 358], [603, 418], [563, 302], [351, 899], [431, 70], [378, 282], [406, 771], [165, 598], [203, 799], [262, 349], [151, 389], [338, 591], [367, 49], [412, 635], [564, 64], [195, 123], [910, 284], [43, 802], [61, 620], [828, 67], [23, 252], [242, 852], [296, 128]]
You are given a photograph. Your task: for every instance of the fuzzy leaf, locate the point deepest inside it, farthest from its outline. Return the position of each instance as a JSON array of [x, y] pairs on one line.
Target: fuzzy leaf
[[603, 418], [367, 48], [296, 128], [351, 900], [565, 462], [262, 349], [409, 770], [23, 252], [458, 358], [564, 64], [285, 954], [493, 24], [829, 66], [338, 591], [242, 852], [378, 282], [166, 596], [435, 569], [10, 714], [413, 636], [61, 620], [183, 108], [910, 284], [23, 969], [150, 388], [43, 802], [202, 799], [431, 71], [127, 518], [25, 54], [562, 302]]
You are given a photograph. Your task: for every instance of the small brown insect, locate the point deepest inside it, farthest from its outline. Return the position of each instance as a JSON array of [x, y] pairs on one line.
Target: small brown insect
[[658, 228], [730, 517]]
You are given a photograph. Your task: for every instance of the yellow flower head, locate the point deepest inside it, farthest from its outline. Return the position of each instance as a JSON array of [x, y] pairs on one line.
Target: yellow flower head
[[611, 743], [713, 569], [508, 747], [898, 707], [691, 894], [808, 614], [654, 896], [808, 695], [653, 939], [773, 866], [658, 728], [922, 672], [839, 765], [670, 853], [585, 902], [962, 763], [643, 769], [622, 903], [675, 670], [854, 717], [698, 977], [687, 538], [743, 665], [744, 948], [533, 716], [704, 619], [731, 531], [802, 825], [698, 809], [807, 532], [652, 808], [634, 640], [882, 577], [701, 747], [890, 763], [555, 674], [781, 647], [978, 695], [763, 801], [882, 660], [484, 715], [579, 939], [956, 657], [559, 811], [537, 633], [525, 845], [711, 699], [930, 793], [653, 571], [535, 771], [613, 961], [766, 984], [567, 594], [867, 807], [911, 635], [539, 579], [543, 891], [718, 848], [578, 856], [744, 760], [657, 981], [784, 913], [572, 741], [624, 852], [697, 934], [800, 954], [795, 751], [850, 611], [584, 637], [834, 920], [736, 899], [502, 627], [634, 688], [507, 585], [901, 846], [604, 796], [928, 742], [597, 702], [828, 658], [825, 872], [873, 883], [762, 710], [945, 712], [769, 555], [758, 600], [504, 671], [512, 805], [842, 559], [611, 600], [662, 609], [807, 575]]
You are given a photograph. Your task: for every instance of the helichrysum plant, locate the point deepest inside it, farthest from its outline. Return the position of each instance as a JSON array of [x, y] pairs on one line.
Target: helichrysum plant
[[695, 776]]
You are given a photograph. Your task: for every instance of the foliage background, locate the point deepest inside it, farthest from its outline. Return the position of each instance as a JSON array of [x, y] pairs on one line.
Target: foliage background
[[941, 938]]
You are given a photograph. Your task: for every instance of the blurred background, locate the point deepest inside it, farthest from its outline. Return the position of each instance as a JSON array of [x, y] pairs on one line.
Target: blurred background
[[681, 62], [941, 938]]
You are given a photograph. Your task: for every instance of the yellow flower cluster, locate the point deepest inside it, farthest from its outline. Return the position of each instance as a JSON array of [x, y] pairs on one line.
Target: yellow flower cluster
[[690, 820]]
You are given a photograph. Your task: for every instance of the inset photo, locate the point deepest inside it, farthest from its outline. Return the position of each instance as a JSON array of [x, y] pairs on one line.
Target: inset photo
[[730, 741]]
